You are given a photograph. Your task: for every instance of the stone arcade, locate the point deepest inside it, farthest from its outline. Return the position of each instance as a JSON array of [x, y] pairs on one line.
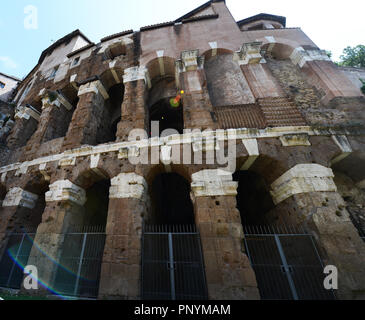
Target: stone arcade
[[298, 125]]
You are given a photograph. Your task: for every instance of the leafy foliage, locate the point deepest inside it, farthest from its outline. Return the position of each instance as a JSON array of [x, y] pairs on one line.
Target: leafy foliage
[[353, 57]]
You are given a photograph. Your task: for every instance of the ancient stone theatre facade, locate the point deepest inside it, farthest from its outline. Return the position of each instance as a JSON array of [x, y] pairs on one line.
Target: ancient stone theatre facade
[[108, 205]]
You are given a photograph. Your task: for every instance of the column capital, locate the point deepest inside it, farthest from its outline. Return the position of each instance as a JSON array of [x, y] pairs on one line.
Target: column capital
[[95, 87], [216, 182], [300, 56], [55, 99], [303, 178], [128, 185], [65, 190], [249, 53], [25, 112], [19, 197], [189, 61], [137, 73]]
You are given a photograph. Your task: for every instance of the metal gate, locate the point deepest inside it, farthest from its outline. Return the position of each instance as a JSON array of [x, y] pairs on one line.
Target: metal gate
[[14, 258], [286, 263], [172, 264], [78, 271]]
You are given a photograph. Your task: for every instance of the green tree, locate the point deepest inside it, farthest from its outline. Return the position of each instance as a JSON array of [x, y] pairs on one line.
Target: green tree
[[353, 57]]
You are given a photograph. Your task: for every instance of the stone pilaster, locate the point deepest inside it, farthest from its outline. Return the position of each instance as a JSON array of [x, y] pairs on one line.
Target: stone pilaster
[[120, 275], [86, 126], [310, 188], [134, 108], [190, 76], [26, 122], [63, 209], [253, 65], [49, 126], [228, 271]]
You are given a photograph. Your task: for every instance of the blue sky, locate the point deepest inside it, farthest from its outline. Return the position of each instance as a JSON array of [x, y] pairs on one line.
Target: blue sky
[[332, 25]]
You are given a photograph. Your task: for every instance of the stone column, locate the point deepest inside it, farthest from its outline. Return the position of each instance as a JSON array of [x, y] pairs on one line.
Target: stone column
[[26, 122], [311, 188], [53, 109], [121, 267], [253, 65], [134, 108], [190, 76], [64, 207], [85, 127], [228, 270]]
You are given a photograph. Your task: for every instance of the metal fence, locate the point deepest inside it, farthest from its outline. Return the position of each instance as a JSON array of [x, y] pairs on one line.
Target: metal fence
[[14, 258], [78, 271], [172, 264], [286, 263]]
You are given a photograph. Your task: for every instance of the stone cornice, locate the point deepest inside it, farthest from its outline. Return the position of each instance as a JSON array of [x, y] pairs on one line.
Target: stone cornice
[[220, 135]]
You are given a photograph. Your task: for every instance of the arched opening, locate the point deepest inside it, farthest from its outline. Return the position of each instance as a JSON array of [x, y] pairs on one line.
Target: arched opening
[[254, 201], [172, 265], [96, 206], [280, 254], [111, 114], [171, 203], [169, 115]]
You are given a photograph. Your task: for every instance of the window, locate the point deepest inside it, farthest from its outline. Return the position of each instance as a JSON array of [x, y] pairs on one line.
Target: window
[[53, 73], [2, 85], [76, 61]]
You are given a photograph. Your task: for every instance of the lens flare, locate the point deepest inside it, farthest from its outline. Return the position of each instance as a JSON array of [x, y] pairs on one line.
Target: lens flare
[[175, 102], [12, 252]]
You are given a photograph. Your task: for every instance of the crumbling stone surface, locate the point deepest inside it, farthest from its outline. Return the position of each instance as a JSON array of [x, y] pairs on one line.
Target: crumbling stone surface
[[278, 118], [354, 198], [309, 99]]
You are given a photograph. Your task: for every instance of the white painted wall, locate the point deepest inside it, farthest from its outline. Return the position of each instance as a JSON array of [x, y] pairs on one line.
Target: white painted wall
[[10, 85], [59, 55]]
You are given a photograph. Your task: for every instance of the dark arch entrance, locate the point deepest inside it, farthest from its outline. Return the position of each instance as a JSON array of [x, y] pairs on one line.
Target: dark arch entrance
[[171, 203], [168, 115], [253, 199], [172, 261], [285, 259]]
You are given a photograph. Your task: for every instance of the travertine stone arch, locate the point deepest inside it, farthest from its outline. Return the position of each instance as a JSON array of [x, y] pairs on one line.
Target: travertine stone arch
[[279, 48], [160, 67], [216, 52]]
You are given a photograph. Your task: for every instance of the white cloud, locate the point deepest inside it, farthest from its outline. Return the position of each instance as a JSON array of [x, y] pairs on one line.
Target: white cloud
[[9, 63]]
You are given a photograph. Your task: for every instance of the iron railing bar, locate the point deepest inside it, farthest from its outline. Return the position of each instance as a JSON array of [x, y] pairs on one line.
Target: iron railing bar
[[16, 259], [283, 258]]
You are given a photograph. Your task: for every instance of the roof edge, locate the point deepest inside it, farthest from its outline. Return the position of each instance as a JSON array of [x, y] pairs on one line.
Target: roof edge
[[263, 16], [11, 77], [67, 37]]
